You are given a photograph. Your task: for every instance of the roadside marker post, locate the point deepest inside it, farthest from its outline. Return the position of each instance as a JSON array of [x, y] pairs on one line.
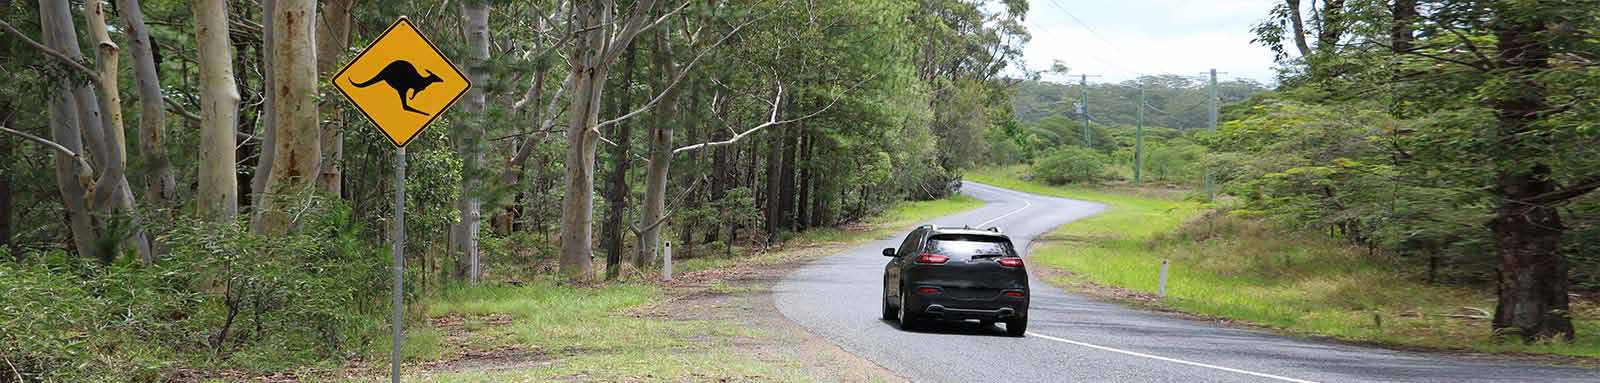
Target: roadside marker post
[[666, 262], [1161, 286], [419, 84]]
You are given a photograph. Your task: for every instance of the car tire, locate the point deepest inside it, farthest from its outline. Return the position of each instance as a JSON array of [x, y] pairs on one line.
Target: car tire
[[908, 318], [1017, 327], [890, 312]]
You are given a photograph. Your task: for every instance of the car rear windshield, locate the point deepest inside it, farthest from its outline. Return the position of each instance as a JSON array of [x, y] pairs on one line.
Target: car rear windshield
[[964, 246]]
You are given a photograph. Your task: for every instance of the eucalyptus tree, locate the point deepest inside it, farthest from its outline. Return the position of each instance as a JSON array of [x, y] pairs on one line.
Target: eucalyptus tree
[[602, 32], [218, 199], [296, 134], [1500, 91]]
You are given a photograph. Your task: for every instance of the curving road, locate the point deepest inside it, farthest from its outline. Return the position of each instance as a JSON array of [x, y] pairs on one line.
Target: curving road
[[1077, 339]]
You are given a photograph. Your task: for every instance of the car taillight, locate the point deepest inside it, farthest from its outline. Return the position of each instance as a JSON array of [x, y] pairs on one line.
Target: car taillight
[[932, 258], [1016, 293], [1009, 261], [927, 290]]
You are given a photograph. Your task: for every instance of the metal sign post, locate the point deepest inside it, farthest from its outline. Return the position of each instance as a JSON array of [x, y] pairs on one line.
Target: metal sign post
[[401, 59], [399, 262]]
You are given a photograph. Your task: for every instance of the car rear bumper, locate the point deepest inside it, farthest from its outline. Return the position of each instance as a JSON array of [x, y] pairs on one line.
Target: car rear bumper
[[946, 313], [944, 308]]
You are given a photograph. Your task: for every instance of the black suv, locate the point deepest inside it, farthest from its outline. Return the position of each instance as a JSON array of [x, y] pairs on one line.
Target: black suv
[[956, 274]]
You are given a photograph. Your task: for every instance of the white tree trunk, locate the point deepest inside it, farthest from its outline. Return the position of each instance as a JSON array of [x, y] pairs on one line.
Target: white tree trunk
[[594, 50], [120, 199], [266, 141], [297, 154], [152, 113], [470, 143], [577, 203], [56, 24], [219, 112]]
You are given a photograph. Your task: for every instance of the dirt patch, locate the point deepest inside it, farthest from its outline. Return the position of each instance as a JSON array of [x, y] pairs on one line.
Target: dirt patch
[[742, 295]]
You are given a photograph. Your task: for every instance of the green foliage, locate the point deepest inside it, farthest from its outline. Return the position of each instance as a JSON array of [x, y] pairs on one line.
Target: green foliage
[[1071, 165], [223, 297]]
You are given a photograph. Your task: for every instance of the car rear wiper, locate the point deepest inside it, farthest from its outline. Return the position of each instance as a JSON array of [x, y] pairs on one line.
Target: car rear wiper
[[986, 256]]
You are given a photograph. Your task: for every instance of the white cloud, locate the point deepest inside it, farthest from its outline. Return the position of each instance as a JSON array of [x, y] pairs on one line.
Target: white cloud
[[1137, 37]]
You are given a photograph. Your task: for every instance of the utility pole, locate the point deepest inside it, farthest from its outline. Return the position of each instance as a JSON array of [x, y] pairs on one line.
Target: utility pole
[[1138, 138], [1211, 98], [1083, 85]]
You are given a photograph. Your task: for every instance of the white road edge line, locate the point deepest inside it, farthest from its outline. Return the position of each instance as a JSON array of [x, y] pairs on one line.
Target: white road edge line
[[1179, 361], [1026, 204]]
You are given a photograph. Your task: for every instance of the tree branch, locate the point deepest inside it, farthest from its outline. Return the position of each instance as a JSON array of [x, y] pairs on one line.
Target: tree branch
[[676, 79], [1573, 191], [82, 164], [91, 74], [681, 196], [772, 120]]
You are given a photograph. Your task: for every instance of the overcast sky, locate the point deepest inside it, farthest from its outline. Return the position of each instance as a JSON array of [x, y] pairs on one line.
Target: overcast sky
[[1134, 37]]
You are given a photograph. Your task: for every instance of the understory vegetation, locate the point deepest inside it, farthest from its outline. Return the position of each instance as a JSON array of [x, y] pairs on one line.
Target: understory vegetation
[[185, 196]]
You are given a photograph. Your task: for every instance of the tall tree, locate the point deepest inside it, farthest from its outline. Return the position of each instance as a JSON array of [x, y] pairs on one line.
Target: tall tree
[[333, 38], [116, 203], [73, 175], [616, 192], [161, 183], [599, 42], [297, 149], [469, 142], [219, 112], [652, 215], [1503, 84]]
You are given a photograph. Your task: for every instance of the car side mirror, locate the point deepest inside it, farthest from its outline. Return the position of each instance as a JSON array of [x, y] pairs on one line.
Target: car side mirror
[[889, 252]]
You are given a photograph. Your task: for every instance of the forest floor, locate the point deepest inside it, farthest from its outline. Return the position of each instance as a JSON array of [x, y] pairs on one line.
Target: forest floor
[[1248, 273], [716, 321]]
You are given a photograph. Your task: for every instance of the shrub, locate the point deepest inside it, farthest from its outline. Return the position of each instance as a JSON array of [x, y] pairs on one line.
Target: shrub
[[222, 298], [1071, 165]]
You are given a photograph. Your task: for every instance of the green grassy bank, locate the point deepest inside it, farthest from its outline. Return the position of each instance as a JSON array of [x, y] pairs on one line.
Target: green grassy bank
[[1246, 270]]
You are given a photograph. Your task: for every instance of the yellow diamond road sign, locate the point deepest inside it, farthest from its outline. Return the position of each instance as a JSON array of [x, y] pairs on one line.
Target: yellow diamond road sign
[[401, 82]]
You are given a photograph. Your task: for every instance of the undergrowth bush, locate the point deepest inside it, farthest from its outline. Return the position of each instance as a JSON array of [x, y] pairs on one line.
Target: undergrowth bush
[[1071, 165], [222, 297]]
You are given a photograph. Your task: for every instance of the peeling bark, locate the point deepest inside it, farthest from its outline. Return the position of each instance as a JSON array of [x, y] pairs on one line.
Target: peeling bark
[[297, 150]]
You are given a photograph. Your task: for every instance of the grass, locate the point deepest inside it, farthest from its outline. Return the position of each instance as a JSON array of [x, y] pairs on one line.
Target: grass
[[548, 331], [1241, 269]]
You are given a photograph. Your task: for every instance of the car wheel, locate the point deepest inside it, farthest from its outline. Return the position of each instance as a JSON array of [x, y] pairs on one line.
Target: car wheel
[[889, 311], [908, 319], [1017, 327]]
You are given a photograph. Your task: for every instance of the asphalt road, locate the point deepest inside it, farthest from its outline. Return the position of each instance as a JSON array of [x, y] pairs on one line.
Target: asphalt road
[[1076, 339]]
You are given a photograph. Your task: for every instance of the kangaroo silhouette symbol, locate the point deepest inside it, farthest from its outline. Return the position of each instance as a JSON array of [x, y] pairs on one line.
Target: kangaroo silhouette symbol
[[404, 78]]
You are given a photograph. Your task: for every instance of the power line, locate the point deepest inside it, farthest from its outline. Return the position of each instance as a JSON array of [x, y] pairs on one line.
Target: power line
[[1099, 58], [1081, 23]]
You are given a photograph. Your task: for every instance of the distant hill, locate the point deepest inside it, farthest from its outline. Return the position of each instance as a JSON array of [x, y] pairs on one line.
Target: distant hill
[[1176, 102]]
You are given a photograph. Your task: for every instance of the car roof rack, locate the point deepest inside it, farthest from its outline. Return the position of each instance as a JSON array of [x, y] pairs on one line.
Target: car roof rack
[[994, 229]]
